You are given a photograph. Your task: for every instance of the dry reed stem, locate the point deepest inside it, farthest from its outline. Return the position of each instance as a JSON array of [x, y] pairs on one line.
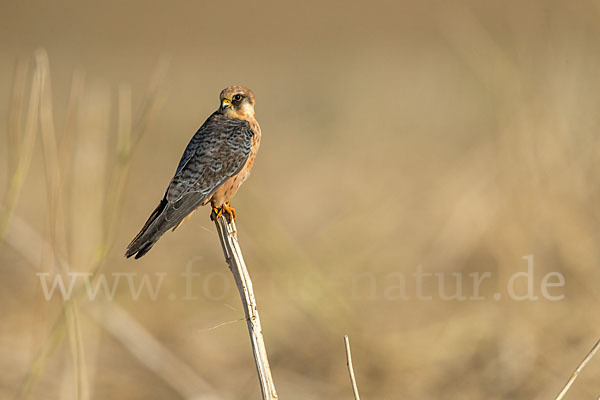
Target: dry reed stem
[[56, 163], [56, 222], [581, 365], [116, 321], [150, 352], [15, 114], [40, 110], [24, 141], [234, 258], [176, 373], [351, 368]]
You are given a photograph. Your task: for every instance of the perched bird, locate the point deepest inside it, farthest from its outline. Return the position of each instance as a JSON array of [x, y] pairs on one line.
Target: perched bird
[[215, 163]]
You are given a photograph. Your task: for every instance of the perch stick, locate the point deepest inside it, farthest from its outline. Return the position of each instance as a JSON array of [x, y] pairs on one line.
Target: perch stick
[[233, 256], [351, 368], [583, 363]]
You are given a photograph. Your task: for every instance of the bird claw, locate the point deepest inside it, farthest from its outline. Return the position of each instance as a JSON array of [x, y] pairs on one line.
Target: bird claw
[[216, 213], [225, 209], [230, 211]]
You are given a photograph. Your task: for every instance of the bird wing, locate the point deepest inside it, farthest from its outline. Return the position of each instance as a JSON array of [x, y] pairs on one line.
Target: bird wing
[[218, 151]]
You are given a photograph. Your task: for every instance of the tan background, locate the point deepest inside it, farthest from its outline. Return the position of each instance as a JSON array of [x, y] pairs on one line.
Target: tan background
[[459, 136]]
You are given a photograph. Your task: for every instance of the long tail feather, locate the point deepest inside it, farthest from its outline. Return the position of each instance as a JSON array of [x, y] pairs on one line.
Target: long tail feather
[[164, 217], [149, 234]]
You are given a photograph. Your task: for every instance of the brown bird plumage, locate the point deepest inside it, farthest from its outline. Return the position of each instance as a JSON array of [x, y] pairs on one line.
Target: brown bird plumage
[[215, 163]]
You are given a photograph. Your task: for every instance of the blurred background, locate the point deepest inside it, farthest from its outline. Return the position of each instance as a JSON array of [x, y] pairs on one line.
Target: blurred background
[[458, 137]]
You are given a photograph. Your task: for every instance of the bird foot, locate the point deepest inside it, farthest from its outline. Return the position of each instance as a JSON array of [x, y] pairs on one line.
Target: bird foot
[[225, 209]]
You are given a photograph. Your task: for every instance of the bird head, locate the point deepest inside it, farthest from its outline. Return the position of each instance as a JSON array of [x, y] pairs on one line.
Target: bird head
[[237, 102]]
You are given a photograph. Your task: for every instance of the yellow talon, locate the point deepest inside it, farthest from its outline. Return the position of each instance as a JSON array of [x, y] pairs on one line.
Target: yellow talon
[[217, 212], [226, 208]]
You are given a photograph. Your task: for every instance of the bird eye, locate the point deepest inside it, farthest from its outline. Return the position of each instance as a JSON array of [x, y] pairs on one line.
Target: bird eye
[[237, 97]]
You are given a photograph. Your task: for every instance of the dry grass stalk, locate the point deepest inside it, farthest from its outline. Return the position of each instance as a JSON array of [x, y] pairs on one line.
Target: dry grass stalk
[[233, 256], [115, 320], [583, 363], [56, 165], [23, 138], [351, 368], [150, 351], [56, 222]]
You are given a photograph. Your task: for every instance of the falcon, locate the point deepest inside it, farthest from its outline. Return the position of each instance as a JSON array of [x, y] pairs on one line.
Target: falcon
[[215, 163]]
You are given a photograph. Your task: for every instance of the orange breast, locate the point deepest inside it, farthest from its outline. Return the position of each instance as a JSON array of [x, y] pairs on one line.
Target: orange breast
[[231, 186]]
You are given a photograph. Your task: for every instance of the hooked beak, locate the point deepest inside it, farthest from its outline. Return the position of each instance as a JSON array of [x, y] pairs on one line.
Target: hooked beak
[[225, 104]]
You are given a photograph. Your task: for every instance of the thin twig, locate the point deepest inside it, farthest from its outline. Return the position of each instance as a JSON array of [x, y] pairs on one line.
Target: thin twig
[[583, 363], [351, 368], [233, 257]]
